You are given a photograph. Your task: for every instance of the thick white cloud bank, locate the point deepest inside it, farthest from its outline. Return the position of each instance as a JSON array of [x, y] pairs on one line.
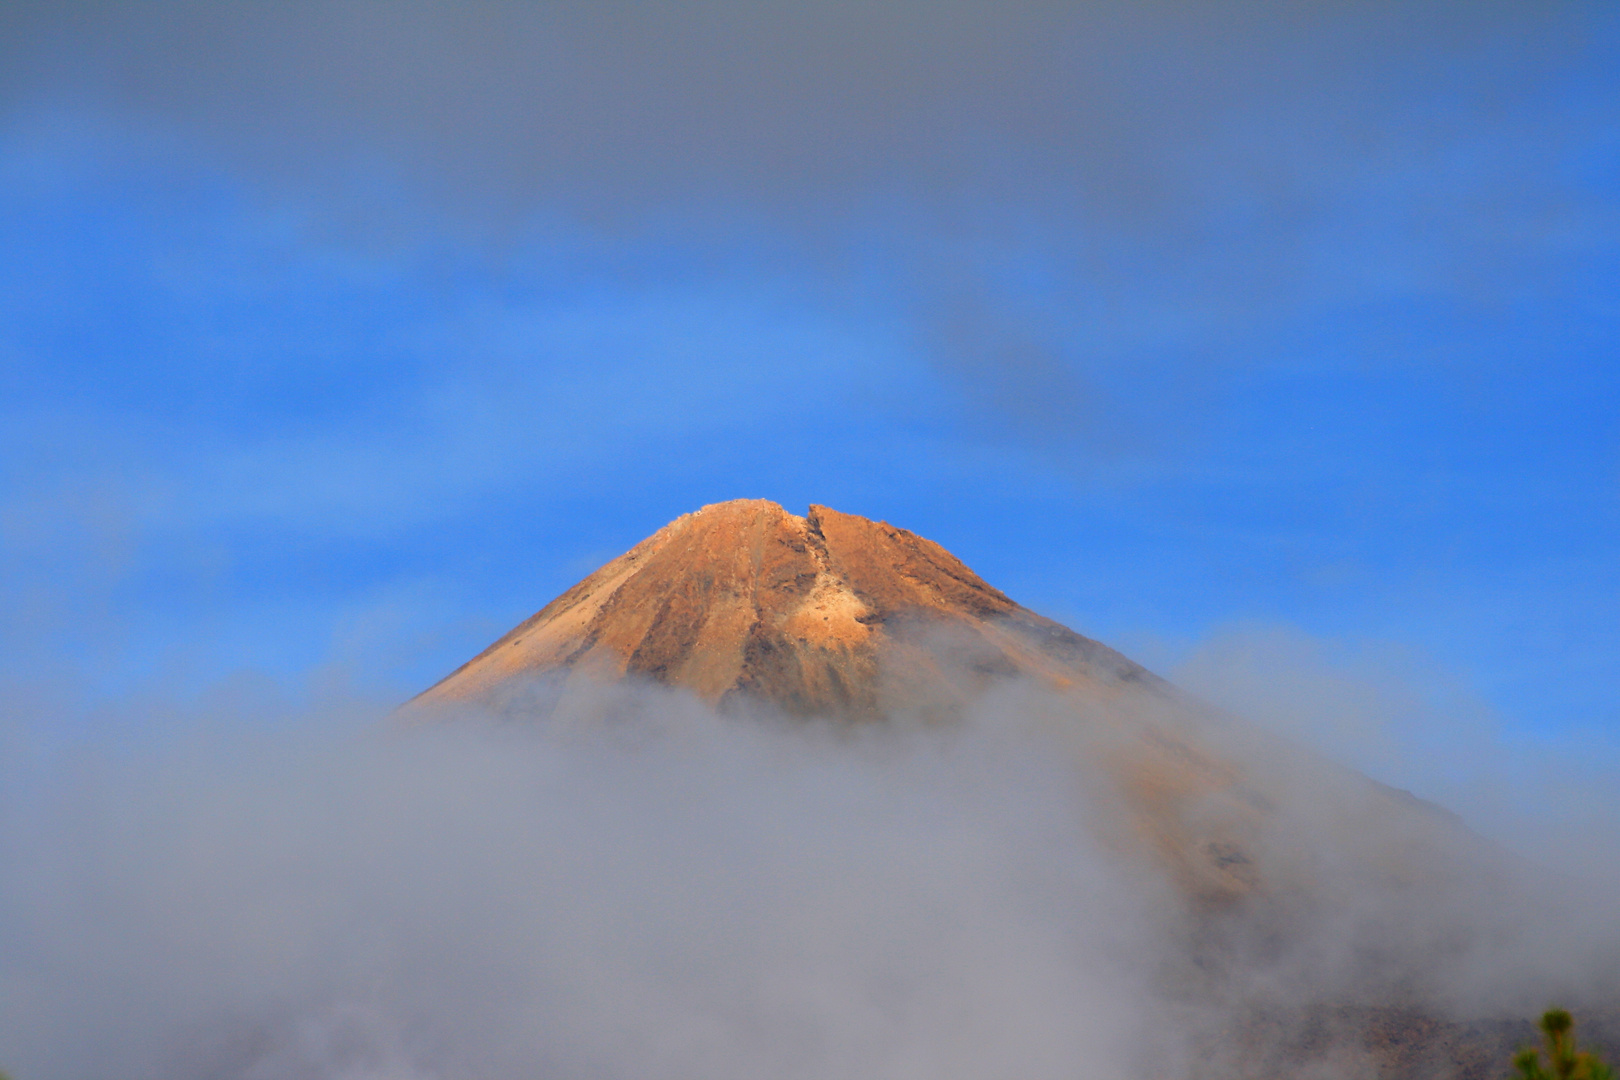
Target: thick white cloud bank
[[670, 896], [641, 889]]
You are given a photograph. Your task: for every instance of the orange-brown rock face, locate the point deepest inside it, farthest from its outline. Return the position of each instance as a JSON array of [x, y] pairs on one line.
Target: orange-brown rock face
[[827, 614]]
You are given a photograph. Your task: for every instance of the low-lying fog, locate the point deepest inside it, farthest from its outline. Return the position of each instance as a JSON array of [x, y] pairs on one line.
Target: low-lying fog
[[635, 889]]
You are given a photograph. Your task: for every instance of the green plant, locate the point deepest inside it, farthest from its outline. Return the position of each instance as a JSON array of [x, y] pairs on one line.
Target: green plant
[[1564, 1061]]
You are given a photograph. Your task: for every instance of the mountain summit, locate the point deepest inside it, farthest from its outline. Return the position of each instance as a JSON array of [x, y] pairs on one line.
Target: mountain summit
[[828, 614]]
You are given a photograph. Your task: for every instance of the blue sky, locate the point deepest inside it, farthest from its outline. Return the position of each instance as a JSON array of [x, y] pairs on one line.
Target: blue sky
[[335, 340]]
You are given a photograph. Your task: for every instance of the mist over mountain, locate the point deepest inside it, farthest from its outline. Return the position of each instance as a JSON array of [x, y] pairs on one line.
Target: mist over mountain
[[767, 795]]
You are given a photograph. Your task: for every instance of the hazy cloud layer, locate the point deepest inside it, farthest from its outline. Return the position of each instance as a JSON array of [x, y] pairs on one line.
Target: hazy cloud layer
[[1122, 186], [1133, 109], [1399, 716]]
